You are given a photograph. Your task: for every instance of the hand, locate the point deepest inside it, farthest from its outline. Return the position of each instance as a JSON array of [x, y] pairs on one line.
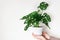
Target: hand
[[44, 36]]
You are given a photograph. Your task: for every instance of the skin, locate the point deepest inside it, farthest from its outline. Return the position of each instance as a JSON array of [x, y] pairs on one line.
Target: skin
[[44, 36]]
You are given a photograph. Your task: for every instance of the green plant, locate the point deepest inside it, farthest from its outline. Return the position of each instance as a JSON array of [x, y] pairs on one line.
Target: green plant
[[36, 16]]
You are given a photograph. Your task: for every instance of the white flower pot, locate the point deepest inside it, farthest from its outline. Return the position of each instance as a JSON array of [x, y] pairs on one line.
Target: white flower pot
[[37, 31]]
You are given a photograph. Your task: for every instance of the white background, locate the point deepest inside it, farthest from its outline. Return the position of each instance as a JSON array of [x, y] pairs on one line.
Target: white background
[[12, 28]]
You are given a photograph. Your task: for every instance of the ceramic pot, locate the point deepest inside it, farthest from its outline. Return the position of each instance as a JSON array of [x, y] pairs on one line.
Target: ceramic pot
[[37, 31]]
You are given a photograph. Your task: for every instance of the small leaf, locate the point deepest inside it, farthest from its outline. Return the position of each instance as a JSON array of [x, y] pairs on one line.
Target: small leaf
[[36, 24], [47, 25], [25, 21], [46, 22], [26, 27], [43, 5], [47, 17], [24, 17]]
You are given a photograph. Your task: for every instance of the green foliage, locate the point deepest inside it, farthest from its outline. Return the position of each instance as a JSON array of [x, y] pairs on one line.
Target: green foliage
[[34, 17], [46, 19], [43, 5]]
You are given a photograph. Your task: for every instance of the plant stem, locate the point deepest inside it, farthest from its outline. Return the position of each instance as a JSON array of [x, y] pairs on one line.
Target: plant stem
[[40, 11]]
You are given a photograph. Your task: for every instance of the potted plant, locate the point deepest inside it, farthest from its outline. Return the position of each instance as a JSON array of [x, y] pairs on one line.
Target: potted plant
[[35, 17]]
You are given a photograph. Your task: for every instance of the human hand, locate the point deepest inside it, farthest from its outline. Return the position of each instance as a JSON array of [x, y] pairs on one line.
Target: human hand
[[44, 36]]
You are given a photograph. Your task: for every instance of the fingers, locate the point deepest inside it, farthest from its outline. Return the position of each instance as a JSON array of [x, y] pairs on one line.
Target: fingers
[[42, 38], [46, 35], [38, 37]]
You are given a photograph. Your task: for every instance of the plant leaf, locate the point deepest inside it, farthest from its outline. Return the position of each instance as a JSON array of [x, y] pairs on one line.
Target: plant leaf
[[43, 5], [26, 27], [47, 17], [36, 24], [47, 25], [24, 17], [46, 22]]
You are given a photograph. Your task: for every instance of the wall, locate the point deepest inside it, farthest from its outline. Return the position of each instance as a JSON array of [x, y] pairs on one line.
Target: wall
[[11, 27]]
